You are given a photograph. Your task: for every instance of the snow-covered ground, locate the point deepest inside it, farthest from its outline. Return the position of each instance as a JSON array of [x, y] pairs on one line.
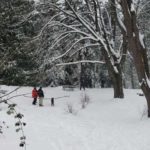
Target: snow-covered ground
[[105, 123]]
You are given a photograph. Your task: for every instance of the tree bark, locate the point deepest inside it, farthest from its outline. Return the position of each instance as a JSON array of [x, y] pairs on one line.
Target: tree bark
[[118, 85], [116, 77], [137, 50]]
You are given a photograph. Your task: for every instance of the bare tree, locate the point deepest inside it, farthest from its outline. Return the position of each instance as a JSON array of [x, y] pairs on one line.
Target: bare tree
[[92, 24], [136, 46]]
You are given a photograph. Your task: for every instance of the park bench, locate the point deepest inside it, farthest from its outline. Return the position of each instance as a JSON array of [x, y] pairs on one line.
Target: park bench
[[68, 87], [140, 94]]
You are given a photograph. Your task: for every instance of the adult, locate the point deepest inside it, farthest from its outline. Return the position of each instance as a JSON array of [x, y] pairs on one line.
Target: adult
[[41, 96], [34, 95], [82, 82]]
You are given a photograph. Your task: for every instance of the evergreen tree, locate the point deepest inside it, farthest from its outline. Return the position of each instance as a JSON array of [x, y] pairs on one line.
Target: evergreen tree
[[16, 29]]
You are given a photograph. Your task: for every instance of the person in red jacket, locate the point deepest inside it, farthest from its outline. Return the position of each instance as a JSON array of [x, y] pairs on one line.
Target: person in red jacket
[[34, 95]]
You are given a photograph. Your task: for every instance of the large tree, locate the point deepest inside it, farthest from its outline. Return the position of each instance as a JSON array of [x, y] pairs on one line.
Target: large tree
[[136, 45], [16, 29], [91, 24]]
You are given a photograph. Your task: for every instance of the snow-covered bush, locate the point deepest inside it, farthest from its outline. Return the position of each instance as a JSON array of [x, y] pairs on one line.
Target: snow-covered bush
[[85, 99], [70, 108]]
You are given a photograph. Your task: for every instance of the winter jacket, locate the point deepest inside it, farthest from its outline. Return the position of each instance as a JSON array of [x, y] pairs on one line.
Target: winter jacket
[[34, 93], [40, 93]]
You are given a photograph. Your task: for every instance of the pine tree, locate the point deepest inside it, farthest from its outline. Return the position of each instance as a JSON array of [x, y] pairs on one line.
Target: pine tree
[[15, 32]]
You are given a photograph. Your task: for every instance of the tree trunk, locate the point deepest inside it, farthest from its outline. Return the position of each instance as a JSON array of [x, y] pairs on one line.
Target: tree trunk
[[137, 50], [141, 70], [115, 76], [117, 85], [132, 76], [146, 90]]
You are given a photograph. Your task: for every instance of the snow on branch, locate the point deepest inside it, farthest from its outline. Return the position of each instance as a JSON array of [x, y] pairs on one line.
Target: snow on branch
[[141, 38], [86, 46], [44, 27], [86, 24], [10, 92], [67, 33], [73, 45], [57, 23], [121, 24], [105, 38], [132, 7], [69, 13], [109, 18], [100, 34], [147, 80], [82, 61], [141, 8], [25, 18]]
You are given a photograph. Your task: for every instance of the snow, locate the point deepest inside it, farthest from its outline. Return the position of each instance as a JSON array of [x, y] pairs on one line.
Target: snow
[[147, 81], [105, 123], [141, 38], [132, 7], [115, 68], [121, 23], [82, 61], [36, 1]]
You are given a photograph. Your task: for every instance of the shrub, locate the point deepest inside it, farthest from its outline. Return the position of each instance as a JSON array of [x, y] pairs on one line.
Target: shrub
[[70, 108], [85, 99]]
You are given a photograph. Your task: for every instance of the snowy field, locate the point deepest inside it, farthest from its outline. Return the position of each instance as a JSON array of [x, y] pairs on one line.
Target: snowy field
[[105, 123]]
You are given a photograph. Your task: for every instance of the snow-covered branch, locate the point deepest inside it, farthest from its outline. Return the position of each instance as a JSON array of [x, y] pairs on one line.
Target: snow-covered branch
[[86, 46], [25, 19], [57, 23], [45, 25], [86, 24], [67, 33], [72, 46], [121, 24], [82, 61]]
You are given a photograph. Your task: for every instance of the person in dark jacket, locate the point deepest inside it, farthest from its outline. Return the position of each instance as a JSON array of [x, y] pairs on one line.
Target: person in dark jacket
[[82, 83], [102, 83], [41, 96], [34, 95]]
